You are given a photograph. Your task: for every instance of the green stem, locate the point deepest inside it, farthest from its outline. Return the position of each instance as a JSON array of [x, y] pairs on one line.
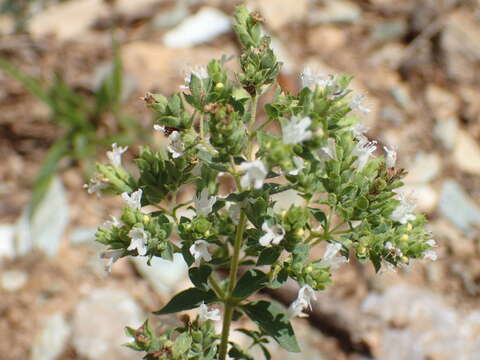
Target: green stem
[[251, 123], [216, 287], [229, 306]]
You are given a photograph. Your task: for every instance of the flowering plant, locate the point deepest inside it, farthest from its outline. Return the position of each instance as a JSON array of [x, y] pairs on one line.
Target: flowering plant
[[320, 152]]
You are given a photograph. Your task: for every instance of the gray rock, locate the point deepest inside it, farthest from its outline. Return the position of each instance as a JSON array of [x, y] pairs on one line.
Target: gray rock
[[171, 17], [98, 325], [45, 229], [83, 235], [7, 244], [50, 343], [446, 132], [164, 276], [205, 25], [337, 11], [458, 208], [392, 115], [389, 31], [466, 154]]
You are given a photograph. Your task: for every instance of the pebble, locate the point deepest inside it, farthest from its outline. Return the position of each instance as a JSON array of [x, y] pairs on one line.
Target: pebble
[[99, 320], [279, 13], [51, 342], [337, 11], [13, 280], [389, 31], [446, 132], [442, 103], [171, 17], [424, 168], [466, 154], [7, 242], [165, 277], [205, 25], [458, 208]]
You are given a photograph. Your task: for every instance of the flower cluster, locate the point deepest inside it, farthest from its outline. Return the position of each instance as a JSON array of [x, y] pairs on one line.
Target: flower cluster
[[216, 145]]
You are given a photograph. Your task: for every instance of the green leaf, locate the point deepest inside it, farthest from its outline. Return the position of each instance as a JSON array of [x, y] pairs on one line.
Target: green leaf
[[319, 215], [273, 320], [199, 276], [186, 300], [182, 344], [252, 281], [269, 255]]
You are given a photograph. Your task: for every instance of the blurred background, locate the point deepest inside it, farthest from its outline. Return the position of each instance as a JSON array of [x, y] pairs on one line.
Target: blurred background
[[72, 74]]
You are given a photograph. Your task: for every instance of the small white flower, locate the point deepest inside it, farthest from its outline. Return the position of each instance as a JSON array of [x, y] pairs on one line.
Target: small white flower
[[138, 240], [299, 166], [204, 203], [273, 234], [159, 128], [431, 243], [255, 173], [115, 156], [403, 212], [391, 157], [356, 103], [310, 79], [430, 254], [363, 150], [330, 258], [388, 245], [204, 314], [305, 295], [234, 210], [95, 186], [134, 200], [329, 150], [295, 131], [199, 251], [358, 130], [199, 71], [112, 256], [176, 145], [114, 222]]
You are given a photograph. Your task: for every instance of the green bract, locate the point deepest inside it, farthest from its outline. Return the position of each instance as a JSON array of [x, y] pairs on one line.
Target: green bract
[[234, 241]]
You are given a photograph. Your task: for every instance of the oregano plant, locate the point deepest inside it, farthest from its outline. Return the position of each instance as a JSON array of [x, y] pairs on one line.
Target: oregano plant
[[235, 243]]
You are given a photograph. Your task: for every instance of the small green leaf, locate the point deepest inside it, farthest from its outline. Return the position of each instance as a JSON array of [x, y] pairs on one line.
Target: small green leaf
[[252, 281], [182, 344], [186, 300], [269, 255], [199, 276], [272, 319], [319, 215]]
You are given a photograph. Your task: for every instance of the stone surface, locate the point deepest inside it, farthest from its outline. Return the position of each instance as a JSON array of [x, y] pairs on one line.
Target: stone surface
[[446, 131], [336, 11], [426, 327], [426, 198], [171, 17], [442, 103], [466, 154], [7, 244], [13, 280], [458, 208], [165, 277], [205, 25], [44, 231], [278, 13], [424, 168], [98, 325], [52, 339]]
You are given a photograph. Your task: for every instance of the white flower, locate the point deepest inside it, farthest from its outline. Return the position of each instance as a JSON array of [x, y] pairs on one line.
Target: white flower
[[138, 240], [255, 173], [159, 128], [204, 203], [204, 314], [176, 145], [430, 254], [391, 157], [95, 186], [273, 234], [310, 79], [295, 131], [199, 251], [112, 256], [114, 222], [234, 210], [403, 212], [299, 166], [199, 71], [330, 150], [358, 130], [134, 200], [356, 103], [363, 150], [388, 245], [431, 243], [305, 295], [330, 258], [115, 156]]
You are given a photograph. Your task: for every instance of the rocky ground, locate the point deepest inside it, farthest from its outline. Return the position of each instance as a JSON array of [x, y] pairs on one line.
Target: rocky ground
[[417, 60]]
